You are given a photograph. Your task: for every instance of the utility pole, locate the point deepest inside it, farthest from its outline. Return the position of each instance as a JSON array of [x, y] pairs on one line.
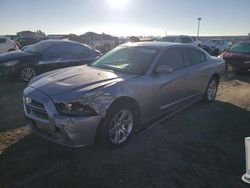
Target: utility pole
[[199, 22]]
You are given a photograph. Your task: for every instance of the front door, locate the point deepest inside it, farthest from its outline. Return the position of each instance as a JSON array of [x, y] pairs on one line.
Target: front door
[[170, 88]]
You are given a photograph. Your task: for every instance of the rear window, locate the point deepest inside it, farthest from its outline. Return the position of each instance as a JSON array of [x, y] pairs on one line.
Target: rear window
[[80, 51], [167, 39], [240, 48], [186, 40], [193, 56]]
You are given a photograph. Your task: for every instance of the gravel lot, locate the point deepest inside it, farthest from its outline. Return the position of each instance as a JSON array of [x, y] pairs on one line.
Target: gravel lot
[[202, 146]]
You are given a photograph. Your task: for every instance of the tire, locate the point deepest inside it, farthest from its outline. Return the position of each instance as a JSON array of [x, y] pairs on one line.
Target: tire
[[27, 73], [112, 132], [211, 90]]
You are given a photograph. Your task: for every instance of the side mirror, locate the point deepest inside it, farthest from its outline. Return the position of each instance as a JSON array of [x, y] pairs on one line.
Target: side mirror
[[164, 69]]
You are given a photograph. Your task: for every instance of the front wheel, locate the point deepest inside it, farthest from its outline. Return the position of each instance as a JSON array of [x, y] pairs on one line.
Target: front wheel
[[211, 90], [27, 73], [117, 127]]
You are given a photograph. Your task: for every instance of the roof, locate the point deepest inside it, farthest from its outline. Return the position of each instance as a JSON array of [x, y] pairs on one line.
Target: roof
[[158, 45], [58, 41]]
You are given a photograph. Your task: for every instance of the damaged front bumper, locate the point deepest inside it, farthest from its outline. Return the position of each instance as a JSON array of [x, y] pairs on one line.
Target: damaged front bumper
[[45, 121]]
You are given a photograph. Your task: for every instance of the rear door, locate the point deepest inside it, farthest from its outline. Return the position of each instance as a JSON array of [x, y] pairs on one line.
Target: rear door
[[197, 70]]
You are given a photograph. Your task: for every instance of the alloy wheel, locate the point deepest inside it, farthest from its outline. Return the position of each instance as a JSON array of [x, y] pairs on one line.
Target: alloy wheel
[[121, 127], [27, 74], [211, 90]]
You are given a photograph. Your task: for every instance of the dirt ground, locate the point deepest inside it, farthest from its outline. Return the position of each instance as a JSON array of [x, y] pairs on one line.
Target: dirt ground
[[202, 146]]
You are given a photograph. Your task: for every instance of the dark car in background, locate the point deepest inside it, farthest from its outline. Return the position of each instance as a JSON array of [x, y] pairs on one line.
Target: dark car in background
[[24, 41], [45, 56], [237, 58]]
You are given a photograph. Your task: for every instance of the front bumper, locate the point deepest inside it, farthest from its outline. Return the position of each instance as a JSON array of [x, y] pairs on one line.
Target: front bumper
[[45, 121]]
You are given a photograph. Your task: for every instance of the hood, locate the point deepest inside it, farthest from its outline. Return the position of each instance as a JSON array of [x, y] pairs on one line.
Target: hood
[[69, 81], [14, 55]]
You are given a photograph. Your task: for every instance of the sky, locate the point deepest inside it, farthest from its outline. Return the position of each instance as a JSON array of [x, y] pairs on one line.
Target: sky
[[126, 17]]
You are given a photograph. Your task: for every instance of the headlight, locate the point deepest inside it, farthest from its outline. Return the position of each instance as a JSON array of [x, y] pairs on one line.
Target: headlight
[[9, 63], [220, 56], [247, 62], [75, 109]]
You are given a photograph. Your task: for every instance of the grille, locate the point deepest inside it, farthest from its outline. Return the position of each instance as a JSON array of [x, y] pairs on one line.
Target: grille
[[36, 109]]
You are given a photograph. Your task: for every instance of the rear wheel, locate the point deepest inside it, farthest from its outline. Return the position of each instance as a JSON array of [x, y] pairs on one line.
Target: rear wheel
[[27, 73], [211, 90], [117, 127]]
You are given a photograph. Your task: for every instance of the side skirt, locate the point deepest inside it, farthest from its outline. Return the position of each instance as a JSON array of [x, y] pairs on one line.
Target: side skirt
[[157, 120]]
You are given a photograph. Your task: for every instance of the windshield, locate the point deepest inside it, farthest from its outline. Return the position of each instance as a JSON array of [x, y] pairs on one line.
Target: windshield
[[134, 60], [240, 48], [167, 39], [39, 47]]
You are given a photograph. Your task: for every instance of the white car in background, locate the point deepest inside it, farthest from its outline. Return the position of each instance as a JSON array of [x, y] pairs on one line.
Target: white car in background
[[7, 45], [218, 45]]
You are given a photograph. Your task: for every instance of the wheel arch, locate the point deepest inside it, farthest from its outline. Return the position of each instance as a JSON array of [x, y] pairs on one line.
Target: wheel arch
[[118, 101], [129, 100], [217, 76]]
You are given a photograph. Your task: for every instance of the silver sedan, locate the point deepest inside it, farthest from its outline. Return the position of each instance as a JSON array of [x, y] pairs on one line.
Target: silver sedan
[[106, 101]]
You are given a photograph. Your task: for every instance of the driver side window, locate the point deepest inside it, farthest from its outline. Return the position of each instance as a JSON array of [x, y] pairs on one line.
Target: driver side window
[[173, 58]]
